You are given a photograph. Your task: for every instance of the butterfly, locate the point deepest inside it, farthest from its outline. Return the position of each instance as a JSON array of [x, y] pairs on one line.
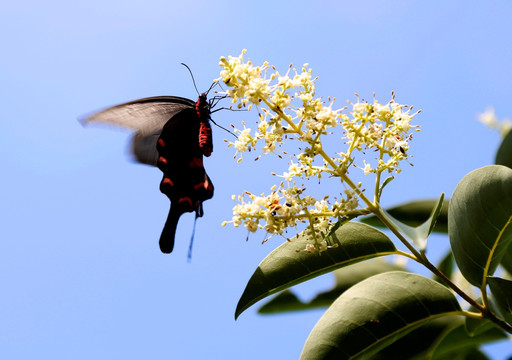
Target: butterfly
[[172, 133]]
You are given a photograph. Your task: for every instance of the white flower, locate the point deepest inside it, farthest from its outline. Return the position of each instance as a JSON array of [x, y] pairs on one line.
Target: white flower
[[244, 139], [310, 248], [367, 169], [359, 108], [488, 118]]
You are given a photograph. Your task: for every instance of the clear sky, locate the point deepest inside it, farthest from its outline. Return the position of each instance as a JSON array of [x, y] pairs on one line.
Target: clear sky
[[80, 270]]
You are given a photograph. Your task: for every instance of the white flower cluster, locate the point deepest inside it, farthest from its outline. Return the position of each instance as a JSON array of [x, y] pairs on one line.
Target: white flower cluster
[[288, 109], [288, 207], [382, 128], [249, 85]]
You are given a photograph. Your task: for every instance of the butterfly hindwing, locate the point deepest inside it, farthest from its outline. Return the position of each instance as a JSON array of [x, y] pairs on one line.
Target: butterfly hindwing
[[184, 181]]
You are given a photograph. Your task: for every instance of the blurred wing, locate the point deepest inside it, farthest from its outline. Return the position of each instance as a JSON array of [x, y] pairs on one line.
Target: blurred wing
[[148, 116], [144, 148]]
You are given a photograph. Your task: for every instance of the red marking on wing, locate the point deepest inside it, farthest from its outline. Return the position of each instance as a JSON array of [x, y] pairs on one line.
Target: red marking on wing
[[167, 181], [205, 185], [162, 160], [199, 186], [186, 199], [161, 142]]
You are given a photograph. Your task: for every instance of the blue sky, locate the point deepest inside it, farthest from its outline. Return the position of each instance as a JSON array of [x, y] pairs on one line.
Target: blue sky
[[82, 276]]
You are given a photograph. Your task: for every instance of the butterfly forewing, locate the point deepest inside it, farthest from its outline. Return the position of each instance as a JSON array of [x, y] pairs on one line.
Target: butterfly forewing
[[147, 116]]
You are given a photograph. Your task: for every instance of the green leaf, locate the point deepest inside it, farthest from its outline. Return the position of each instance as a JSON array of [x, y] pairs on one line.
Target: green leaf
[[501, 289], [471, 354], [286, 300], [339, 224], [414, 214], [475, 326], [345, 278], [419, 234], [506, 261], [458, 340], [480, 221], [440, 339], [504, 154], [376, 312], [348, 276], [383, 185], [289, 264], [478, 326], [418, 343]]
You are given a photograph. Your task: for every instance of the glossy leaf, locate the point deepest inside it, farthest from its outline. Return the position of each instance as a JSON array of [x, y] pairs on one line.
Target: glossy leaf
[[480, 221], [471, 354], [439, 339], [285, 301], [504, 154], [475, 326], [419, 343], [419, 234], [345, 278], [383, 185], [478, 326], [415, 213], [289, 264], [506, 261], [339, 224], [376, 312], [458, 340], [501, 289]]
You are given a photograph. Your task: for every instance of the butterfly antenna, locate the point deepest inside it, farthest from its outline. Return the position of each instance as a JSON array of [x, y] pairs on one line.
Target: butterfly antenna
[[192, 76]]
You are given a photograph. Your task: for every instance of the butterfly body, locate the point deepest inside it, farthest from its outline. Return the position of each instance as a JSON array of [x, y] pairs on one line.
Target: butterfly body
[[184, 181], [174, 134]]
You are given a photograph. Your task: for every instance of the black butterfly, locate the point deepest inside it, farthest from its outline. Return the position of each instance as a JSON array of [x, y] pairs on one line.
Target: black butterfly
[[173, 133]]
